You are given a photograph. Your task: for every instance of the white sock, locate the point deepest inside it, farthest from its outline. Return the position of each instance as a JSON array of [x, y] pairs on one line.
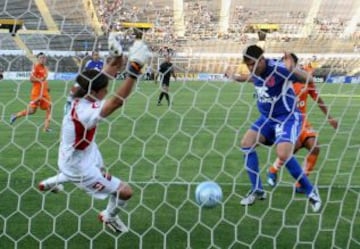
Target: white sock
[[56, 180], [113, 205]]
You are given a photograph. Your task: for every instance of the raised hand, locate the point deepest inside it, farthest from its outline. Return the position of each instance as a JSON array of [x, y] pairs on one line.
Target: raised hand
[[115, 48]]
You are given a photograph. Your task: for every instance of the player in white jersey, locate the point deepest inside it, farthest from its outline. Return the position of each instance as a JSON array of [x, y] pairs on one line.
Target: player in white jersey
[[80, 160]]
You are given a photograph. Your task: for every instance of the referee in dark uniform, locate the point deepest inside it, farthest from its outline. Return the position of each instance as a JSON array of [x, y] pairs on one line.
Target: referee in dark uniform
[[166, 70]]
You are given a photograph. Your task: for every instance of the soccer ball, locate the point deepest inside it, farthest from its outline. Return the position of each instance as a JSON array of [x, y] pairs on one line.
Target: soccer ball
[[208, 194]]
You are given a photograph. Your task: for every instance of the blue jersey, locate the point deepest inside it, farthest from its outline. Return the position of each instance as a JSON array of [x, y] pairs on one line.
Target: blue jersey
[[97, 65], [274, 92]]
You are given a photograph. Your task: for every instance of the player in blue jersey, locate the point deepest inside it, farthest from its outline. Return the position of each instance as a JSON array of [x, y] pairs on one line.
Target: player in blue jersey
[[279, 122], [95, 62]]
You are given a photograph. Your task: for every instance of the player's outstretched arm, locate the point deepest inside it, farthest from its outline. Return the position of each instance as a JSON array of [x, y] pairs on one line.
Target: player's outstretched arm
[[138, 56], [237, 77], [333, 122], [320, 102]]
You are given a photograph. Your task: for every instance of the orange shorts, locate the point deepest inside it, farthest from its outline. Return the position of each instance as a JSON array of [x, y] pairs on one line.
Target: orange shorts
[[40, 99], [307, 131]]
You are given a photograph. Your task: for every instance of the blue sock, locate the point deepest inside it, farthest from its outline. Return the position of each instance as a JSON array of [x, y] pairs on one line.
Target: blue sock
[[252, 168], [295, 170]]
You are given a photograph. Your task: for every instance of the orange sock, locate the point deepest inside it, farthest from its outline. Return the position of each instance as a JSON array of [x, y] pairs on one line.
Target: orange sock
[[273, 169], [276, 166], [310, 163]]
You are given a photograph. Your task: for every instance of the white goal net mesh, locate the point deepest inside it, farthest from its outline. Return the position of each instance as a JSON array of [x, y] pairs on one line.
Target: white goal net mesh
[[163, 151]]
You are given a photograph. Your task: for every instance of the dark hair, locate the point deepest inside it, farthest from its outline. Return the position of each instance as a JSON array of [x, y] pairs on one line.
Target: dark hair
[[90, 80], [294, 57], [252, 52], [138, 33], [40, 54]]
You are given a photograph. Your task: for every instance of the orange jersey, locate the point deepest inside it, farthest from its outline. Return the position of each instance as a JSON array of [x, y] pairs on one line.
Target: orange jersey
[[40, 91], [302, 91], [40, 71]]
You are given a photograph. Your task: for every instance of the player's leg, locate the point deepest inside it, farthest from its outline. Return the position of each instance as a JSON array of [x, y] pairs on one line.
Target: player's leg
[[47, 119], [314, 150], [275, 167], [116, 200], [161, 96], [166, 92], [54, 183], [163, 93], [248, 144], [101, 186], [45, 104], [272, 172], [286, 140], [311, 158], [31, 108]]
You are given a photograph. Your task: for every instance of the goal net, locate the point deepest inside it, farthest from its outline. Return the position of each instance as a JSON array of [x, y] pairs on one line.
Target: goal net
[[164, 151]]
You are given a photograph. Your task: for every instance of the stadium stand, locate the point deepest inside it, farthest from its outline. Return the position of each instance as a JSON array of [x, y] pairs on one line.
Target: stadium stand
[[76, 31]]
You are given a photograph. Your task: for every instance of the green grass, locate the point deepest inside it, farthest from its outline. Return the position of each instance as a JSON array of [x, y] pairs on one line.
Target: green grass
[[163, 153]]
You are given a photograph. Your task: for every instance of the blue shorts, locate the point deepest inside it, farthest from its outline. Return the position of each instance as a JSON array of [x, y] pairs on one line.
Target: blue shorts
[[283, 128]]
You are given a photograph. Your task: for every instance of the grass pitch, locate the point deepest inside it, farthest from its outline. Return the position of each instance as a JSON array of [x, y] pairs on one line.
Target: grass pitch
[[163, 152]]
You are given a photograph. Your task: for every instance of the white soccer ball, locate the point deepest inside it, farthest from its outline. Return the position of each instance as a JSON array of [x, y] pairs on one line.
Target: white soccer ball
[[208, 194]]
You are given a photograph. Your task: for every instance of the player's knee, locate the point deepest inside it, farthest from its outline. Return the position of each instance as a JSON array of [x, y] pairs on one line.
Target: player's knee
[[125, 192], [32, 111], [246, 143], [315, 150], [283, 155]]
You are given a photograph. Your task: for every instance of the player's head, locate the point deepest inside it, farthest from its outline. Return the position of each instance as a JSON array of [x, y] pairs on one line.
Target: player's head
[[253, 57], [92, 83], [95, 55], [138, 34], [41, 57], [295, 58], [167, 58]]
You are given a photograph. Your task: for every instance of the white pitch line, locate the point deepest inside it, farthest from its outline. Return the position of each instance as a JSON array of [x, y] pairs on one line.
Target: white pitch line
[[341, 95]]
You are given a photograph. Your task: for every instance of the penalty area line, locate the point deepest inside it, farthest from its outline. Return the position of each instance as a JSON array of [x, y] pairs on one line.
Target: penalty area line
[[341, 95]]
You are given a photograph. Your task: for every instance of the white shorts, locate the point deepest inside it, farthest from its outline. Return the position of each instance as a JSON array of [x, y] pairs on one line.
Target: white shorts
[[83, 168], [99, 185]]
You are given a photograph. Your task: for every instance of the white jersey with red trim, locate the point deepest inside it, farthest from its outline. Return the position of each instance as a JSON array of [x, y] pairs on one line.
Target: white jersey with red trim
[[79, 155]]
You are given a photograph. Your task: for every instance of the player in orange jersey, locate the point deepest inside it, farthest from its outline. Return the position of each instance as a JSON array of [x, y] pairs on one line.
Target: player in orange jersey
[[40, 96], [308, 137]]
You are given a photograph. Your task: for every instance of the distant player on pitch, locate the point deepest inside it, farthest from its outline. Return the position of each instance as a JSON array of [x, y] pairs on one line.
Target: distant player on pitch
[[166, 70], [40, 96]]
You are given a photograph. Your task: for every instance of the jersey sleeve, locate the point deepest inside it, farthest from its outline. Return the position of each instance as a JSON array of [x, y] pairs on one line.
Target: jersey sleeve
[[90, 117]]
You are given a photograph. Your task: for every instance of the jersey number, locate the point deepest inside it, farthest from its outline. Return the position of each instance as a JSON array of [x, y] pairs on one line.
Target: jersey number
[[98, 186]]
